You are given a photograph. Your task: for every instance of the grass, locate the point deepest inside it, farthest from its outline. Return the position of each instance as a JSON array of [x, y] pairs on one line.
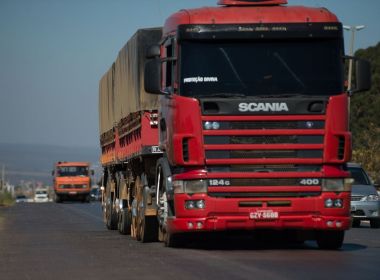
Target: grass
[[6, 199]]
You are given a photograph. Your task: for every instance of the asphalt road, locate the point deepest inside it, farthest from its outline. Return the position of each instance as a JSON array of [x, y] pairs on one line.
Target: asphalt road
[[70, 241]]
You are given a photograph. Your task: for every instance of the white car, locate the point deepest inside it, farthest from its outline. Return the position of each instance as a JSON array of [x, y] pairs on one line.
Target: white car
[[41, 196]]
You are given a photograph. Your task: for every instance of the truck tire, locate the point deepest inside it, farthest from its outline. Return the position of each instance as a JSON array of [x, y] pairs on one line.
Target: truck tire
[[136, 209], [149, 229], [148, 224], [356, 223], [330, 240], [174, 240], [375, 223], [111, 216], [164, 211], [125, 221], [86, 199], [58, 199]]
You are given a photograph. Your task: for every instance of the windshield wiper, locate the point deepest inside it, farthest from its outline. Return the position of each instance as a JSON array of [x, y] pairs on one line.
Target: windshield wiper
[[287, 67], [225, 54]]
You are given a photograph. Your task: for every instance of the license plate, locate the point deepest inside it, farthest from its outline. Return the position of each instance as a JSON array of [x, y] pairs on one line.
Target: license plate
[[72, 192], [263, 215]]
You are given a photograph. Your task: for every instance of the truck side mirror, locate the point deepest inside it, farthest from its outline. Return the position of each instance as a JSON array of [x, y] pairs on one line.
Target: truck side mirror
[[52, 173], [363, 75], [152, 76]]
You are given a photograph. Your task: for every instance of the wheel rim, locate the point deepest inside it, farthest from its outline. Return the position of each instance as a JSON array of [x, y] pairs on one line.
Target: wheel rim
[[162, 203]]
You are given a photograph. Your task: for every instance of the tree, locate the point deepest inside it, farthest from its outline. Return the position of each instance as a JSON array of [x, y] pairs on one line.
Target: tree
[[365, 117]]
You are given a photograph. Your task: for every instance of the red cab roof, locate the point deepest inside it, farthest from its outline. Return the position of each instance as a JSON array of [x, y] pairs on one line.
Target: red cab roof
[[248, 14], [72, 163]]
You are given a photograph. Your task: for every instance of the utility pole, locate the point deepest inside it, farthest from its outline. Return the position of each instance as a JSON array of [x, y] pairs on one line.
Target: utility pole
[[353, 29], [2, 183]]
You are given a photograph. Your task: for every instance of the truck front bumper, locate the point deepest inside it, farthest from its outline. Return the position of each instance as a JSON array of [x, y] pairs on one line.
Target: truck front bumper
[[224, 223], [309, 213]]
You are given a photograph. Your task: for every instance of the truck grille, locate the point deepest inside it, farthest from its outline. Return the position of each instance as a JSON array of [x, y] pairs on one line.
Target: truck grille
[[265, 139], [76, 186], [257, 154], [264, 168], [259, 141], [276, 154], [267, 181], [271, 125], [263, 194]]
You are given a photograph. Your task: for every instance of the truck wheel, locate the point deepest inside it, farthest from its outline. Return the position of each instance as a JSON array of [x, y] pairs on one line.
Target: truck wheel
[[149, 229], [174, 240], [356, 223], [86, 199], [125, 221], [136, 208], [375, 223], [164, 210], [111, 216], [330, 240], [57, 199]]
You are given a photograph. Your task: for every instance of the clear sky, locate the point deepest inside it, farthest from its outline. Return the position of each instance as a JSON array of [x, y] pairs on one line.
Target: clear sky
[[53, 53]]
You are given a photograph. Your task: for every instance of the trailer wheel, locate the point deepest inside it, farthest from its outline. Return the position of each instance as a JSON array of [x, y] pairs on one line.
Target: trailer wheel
[[125, 221], [111, 215], [148, 224], [149, 229], [330, 240], [136, 209]]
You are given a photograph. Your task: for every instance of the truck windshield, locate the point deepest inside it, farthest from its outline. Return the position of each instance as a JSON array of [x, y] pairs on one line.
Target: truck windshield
[[261, 68], [64, 171]]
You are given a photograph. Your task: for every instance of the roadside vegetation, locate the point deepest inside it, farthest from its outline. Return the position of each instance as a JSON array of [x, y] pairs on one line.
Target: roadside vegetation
[[365, 118], [6, 199]]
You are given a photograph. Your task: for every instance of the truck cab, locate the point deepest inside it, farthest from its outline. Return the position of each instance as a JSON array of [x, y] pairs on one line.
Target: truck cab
[[72, 181], [253, 120]]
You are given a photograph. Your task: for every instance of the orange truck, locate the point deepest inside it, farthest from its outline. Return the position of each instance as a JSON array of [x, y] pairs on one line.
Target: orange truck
[[72, 181]]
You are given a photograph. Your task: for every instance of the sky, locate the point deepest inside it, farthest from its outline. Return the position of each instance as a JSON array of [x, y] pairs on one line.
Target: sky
[[53, 53]]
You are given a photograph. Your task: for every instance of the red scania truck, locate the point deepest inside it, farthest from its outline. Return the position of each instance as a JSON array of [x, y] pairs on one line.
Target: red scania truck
[[245, 125]]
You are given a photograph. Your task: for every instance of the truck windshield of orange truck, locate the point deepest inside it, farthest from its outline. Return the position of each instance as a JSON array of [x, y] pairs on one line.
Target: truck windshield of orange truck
[[272, 67], [70, 171]]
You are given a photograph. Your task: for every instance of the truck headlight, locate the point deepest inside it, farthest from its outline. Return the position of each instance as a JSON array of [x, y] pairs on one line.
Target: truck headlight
[[190, 186], [336, 185], [211, 125]]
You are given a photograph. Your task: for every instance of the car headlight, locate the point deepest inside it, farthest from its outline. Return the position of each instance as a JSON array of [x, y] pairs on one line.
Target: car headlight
[[336, 185], [190, 186], [372, 197]]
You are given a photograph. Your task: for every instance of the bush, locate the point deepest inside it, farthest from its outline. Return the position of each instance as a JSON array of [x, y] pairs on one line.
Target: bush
[[6, 199]]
